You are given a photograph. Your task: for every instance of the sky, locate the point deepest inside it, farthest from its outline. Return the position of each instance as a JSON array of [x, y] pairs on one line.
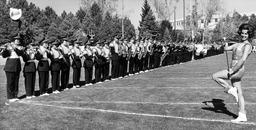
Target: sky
[[132, 8]]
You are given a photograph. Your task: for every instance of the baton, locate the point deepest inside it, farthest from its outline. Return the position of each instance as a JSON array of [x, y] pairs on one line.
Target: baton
[[226, 57], [224, 38]]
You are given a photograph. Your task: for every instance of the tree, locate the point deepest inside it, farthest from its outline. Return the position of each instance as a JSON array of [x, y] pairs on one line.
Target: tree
[[5, 22], [96, 14], [163, 8], [80, 14], [165, 24], [87, 24], [211, 8], [252, 21], [105, 5], [53, 32], [128, 28], [63, 14], [69, 25], [244, 18], [50, 14], [166, 36], [148, 26]]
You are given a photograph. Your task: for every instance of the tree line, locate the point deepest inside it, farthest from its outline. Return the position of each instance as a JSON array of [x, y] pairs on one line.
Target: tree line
[[37, 24]]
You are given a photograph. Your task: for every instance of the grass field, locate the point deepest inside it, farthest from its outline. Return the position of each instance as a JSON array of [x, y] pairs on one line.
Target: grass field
[[175, 97]]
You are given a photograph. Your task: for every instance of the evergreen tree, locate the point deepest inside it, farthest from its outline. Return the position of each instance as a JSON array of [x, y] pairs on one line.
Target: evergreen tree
[[148, 25], [80, 14], [166, 36], [96, 14], [63, 14], [128, 28], [165, 24]]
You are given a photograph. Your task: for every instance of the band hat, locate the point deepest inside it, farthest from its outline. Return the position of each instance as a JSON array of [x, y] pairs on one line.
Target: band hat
[[17, 37], [15, 14], [78, 42], [56, 42]]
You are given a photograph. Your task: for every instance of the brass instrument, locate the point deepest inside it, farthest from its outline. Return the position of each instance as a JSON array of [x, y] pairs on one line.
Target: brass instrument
[[120, 50], [125, 51], [145, 52], [133, 53], [129, 53], [151, 49], [140, 53], [164, 55], [32, 50]]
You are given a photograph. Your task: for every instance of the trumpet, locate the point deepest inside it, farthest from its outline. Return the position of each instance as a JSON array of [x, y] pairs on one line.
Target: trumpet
[[32, 50]]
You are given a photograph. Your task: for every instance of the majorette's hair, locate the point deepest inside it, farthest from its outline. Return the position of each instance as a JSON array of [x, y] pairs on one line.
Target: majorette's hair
[[246, 26]]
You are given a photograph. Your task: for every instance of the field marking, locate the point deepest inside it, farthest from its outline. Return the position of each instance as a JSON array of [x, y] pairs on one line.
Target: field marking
[[153, 103], [196, 78], [136, 114], [98, 86]]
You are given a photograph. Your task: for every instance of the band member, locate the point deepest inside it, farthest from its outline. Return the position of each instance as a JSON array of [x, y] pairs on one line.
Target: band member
[[241, 51], [124, 57], [106, 55], [149, 49], [165, 53], [98, 62], [129, 55], [120, 58], [137, 57], [29, 70], [114, 59], [145, 56], [140, 55], [152, 55], [12, 69], [65, 66], [43, 67], [55, 67], [157, 54], [76, 64], [88, 64]]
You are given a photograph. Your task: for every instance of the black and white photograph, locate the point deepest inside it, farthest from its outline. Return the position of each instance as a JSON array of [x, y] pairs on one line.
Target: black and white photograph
[[127, 64]]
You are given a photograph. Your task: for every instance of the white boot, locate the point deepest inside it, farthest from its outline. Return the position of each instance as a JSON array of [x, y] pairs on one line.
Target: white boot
[[233, 92], [241, 118]]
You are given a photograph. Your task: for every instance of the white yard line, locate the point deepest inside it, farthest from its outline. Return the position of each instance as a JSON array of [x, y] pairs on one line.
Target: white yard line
[[130, 87], [136, 114], [153, 103]]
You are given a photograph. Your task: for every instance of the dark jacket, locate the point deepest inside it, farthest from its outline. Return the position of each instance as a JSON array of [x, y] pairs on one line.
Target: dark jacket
[[12, 65], [55, 64], [77, 63], [88, 62]]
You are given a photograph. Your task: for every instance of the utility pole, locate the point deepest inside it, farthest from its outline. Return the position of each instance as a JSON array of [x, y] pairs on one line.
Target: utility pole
[[184, 16], [122, 18], [174, 23]]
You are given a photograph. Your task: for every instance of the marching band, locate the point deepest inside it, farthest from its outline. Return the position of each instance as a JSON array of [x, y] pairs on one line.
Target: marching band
[[101, 60]]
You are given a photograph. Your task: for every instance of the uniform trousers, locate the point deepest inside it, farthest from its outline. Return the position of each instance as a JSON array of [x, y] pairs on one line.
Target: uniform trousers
[[55, 80], [105, 71], [88, 75], [12, 84], [30, 79], [65, 78], [76, 76], [43, 81], [115, 68], [131, 65]]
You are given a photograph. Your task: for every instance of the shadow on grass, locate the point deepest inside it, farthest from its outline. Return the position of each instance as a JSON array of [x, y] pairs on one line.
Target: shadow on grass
[[218, 106]]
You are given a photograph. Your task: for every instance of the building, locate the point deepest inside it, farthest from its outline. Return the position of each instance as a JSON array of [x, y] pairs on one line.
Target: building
[[216, 18]]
